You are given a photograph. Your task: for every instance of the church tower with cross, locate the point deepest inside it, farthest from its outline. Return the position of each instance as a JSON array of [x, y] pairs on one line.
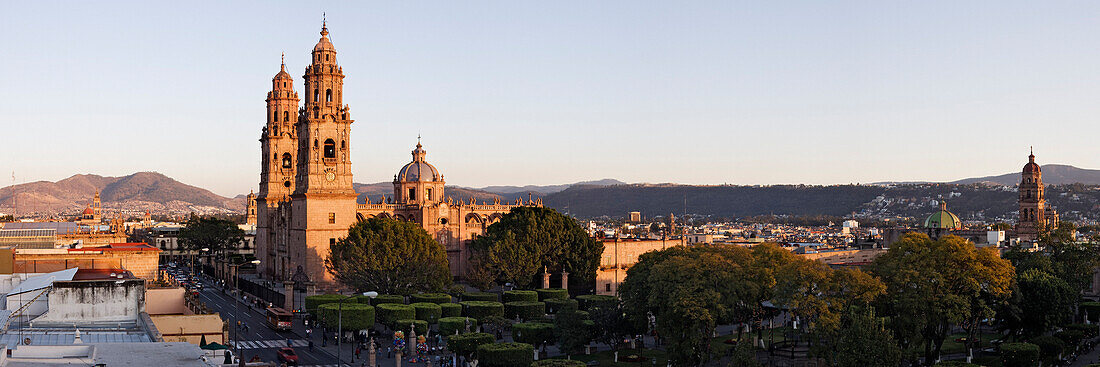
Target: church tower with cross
[[1035, 215]]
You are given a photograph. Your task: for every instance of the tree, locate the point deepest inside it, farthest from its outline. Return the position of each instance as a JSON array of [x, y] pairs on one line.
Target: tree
[[1041, 302], [389, 256], [571, 331], [216, 235], [859, 340], [934, 284], [611, 324], [528, 239]]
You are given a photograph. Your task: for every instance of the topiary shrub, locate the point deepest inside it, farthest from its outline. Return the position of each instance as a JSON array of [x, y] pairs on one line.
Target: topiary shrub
[[555, 304], [313, 301], [1049, 347], [956, 364], [1071, 337], [558, 363], [466, 344], [1019, 355], [480, 296], [421, 326], [389, 313], [514, 296], [429, 312], [356, 316], [1090, 330], [438, 298], [450, 309], [525, 310], [589, 301], [552, 293], [482, 309], [387, 298], [456, 325], [534, 333], [505, 354]]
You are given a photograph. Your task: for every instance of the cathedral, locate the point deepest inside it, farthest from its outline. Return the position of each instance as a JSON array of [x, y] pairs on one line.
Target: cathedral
[[306, 201]]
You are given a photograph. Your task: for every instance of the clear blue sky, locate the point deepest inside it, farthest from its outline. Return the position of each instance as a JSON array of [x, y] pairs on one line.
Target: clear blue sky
[[526, 92]]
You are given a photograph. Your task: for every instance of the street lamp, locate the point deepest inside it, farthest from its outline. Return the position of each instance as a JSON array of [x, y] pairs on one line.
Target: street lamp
[[193, 261], [237, 305], [340, 323]]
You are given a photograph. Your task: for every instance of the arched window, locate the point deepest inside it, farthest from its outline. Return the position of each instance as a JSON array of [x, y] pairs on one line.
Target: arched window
[[328, 95], [275, 129], [316, 93], [343, 145], [275, 117], [314, 143], [286, 160], [330, 149], [284, 84], [286, 116], [326, 57]]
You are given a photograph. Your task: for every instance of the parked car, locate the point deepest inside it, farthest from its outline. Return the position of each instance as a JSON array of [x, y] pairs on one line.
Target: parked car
[[287, 355]]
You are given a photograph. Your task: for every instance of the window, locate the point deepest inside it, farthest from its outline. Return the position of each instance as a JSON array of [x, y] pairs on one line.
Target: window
[[286, 160], [275, 117], [328, 95], [316, 93], [314, 143], [331, 218], [429, 194], [330, 149], [332, 242], [607, 287], [284, 84], [442, 220], [275, 129], [343, 145], [326, 57], [286, 184], [286, 116], [412, 194]]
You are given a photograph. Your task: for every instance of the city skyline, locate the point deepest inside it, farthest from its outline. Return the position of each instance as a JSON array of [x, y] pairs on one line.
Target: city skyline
[[565, 92]]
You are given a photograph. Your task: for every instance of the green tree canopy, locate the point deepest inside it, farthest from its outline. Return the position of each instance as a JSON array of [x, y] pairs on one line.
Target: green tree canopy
[[389, 256], [528, 239], [934, 284], [211, 233]]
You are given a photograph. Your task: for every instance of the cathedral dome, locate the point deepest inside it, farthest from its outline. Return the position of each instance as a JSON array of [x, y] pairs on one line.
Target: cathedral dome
[[418, 169], [324, 44], [943, 219], [88, 211], [1031, 166]]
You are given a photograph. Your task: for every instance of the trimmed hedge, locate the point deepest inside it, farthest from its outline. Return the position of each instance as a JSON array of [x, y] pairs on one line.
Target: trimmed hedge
[[589, 301], [552, 293], [466, 344], [560, 363], [389, 313], [387, 298], [1019, 355], [1049, 347], [421, 326], [429, 312], [525, 310], [356, 316], [451, 325], [1071, 337], [450, 309], [584, 315], [437, 298], [1090, 330], [480, 296], [482, 309], [534, 333], [505, 354], [313, 301], [555, 304], [514, 296]]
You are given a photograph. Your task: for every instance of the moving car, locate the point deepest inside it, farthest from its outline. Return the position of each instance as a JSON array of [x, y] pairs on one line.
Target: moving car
[[287, 355]]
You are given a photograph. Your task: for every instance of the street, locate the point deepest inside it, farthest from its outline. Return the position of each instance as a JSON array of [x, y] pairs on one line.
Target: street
[[259, 339]]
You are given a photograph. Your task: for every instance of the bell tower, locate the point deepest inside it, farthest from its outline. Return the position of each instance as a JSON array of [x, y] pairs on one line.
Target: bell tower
[[1033, 210], [323, 203], [278, 142]]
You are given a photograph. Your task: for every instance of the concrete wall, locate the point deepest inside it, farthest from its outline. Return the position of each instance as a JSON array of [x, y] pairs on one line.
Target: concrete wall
[[190, 328], [112, 300], [143, 263], [166, 301]]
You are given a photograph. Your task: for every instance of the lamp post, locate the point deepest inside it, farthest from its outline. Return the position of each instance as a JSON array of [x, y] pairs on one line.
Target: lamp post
[[237, 306], [340, 324], [193, 262]]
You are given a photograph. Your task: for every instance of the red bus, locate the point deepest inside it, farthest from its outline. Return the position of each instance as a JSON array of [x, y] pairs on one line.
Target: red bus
[[279, 319]]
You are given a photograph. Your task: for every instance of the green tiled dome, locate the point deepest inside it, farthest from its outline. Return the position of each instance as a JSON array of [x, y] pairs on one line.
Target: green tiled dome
[[943, 219]]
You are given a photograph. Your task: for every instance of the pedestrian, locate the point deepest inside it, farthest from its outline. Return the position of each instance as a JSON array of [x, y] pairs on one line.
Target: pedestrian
[[357, 351]]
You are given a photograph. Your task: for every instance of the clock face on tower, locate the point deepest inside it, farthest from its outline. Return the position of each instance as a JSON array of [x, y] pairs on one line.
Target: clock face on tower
[[330, 176]]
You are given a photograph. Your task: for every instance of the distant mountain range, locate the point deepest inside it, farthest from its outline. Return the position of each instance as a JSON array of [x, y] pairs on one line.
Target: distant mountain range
[[979, 198], [1053, 174]]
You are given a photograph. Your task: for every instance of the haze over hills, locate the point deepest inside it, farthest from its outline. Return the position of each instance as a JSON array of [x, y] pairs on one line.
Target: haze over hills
[[138, 192], [1053, 174]]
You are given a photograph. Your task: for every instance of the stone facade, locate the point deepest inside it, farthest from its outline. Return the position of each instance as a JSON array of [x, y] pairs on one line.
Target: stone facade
[[139, 259], [306, 201]]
